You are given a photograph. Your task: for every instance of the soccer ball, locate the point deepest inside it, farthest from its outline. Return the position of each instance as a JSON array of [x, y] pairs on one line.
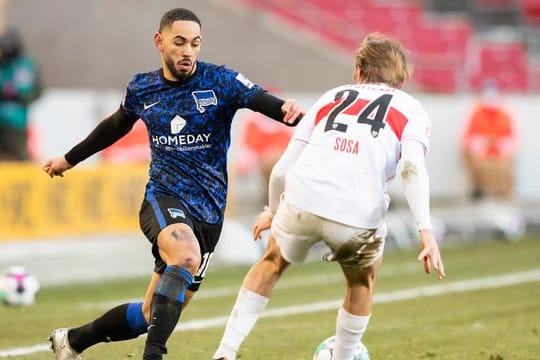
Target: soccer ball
[[326, 348], [18, 287]]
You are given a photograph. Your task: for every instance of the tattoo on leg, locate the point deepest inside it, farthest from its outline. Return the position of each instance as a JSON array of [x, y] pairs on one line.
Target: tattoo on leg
[[181, 235]]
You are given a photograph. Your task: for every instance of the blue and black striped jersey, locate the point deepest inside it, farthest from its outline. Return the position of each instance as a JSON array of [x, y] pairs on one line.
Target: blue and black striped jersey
[[189, 125]]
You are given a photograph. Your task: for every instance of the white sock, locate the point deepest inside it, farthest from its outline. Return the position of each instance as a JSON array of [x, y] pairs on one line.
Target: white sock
[[349, 331], [247, 309]]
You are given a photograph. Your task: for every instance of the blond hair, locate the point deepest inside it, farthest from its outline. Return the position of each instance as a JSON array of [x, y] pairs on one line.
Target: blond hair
[[382, 59]]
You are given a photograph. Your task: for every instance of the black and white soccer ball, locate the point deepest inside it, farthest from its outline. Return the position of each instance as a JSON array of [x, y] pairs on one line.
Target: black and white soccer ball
[[325, 350], [18, 287]]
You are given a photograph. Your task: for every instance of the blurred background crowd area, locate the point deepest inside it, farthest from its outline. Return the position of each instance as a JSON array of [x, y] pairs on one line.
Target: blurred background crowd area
[[85, 52], [454, 44]]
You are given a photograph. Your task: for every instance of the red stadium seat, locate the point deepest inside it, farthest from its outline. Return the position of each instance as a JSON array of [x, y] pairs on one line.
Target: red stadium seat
[[438, 48], [506, 63], [531, 11], [447, 37], [441, 49], [436, 80]]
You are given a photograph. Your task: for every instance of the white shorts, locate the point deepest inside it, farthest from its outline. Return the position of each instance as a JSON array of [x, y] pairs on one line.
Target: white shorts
[[297, 230]]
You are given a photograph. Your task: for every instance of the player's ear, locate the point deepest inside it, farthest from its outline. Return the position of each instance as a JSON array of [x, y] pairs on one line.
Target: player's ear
[[158, 41]]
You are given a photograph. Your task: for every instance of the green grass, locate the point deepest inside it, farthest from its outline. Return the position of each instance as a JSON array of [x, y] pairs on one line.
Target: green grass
[[491, 324]]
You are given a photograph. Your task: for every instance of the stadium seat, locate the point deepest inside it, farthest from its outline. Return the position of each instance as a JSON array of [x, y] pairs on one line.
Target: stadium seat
[[441, 49], [506, 63], [438, 47], [436, 80], [531, 11]]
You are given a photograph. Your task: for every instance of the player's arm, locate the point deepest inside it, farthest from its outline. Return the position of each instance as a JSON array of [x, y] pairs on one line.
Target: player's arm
[[415, 182], [285, 111], [106, 133], [276, 185]]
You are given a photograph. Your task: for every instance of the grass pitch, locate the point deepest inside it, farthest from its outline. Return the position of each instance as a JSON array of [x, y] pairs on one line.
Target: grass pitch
[[474, 313]]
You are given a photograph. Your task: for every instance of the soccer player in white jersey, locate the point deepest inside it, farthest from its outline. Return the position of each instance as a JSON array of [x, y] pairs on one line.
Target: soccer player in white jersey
[[330, 186]]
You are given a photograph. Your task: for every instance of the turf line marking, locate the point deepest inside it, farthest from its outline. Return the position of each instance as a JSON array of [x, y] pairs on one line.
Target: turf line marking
[[399, 295], [285, 283]]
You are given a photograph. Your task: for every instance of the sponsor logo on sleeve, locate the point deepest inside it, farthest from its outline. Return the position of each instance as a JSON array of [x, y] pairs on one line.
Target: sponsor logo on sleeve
[[244, 80]]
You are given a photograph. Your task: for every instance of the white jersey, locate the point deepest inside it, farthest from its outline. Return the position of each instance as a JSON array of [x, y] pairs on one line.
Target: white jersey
[[353, 135]]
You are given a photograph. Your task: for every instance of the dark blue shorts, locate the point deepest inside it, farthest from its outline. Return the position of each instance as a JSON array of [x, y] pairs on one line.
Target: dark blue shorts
[[156, 213]]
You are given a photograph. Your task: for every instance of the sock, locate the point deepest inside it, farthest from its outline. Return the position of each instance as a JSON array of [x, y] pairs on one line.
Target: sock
[[349, 331], [165, 311], [247, 309], [123, 322]]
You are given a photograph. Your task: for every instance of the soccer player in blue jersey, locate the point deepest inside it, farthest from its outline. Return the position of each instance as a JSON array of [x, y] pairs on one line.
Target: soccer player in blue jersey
[[187, 106]]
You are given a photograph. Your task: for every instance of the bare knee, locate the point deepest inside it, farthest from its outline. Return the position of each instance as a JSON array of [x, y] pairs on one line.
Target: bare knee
[[262, 277], [179, 246], [364, 279], [190, 262], [361, 276], [273, 261]]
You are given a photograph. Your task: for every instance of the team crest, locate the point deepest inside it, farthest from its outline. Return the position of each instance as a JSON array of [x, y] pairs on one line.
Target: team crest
[[204, 98], [176, 213]]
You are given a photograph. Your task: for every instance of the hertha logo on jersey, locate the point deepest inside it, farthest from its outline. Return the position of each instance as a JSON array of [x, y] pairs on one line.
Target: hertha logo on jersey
[[204, 98], [174, 213]]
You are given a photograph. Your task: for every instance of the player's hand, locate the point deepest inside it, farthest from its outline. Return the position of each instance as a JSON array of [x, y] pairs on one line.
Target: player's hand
[[430, 254], [56, 167], [292, 112], [263, 222]]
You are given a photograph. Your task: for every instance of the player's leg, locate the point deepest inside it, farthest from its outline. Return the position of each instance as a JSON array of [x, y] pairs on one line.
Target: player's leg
[[147, 302], [354, 315], [252, 299], [262, 276], [259, 282], [123, 322], [177, 242], [179, 249], [359, 258]]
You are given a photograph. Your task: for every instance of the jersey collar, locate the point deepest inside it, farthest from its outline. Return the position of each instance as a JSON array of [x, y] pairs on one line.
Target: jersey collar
[[180, 82]]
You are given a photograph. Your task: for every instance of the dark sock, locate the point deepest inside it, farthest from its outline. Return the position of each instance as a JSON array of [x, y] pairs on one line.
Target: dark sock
[[123, 322], [166, 307], [164, 317]]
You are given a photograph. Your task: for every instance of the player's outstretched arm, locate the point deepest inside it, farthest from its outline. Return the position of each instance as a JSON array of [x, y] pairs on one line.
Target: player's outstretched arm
[[285, 111], [415, 182], [276, 186], [106, 133], [56, 166]]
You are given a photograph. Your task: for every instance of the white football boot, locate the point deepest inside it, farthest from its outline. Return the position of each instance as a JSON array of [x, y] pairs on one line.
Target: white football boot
[[60, 345]]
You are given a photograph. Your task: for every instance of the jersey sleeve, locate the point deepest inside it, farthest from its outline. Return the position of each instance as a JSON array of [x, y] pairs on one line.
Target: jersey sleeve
[[419, 125], [415, 181], [131, 102], [239, 88]]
